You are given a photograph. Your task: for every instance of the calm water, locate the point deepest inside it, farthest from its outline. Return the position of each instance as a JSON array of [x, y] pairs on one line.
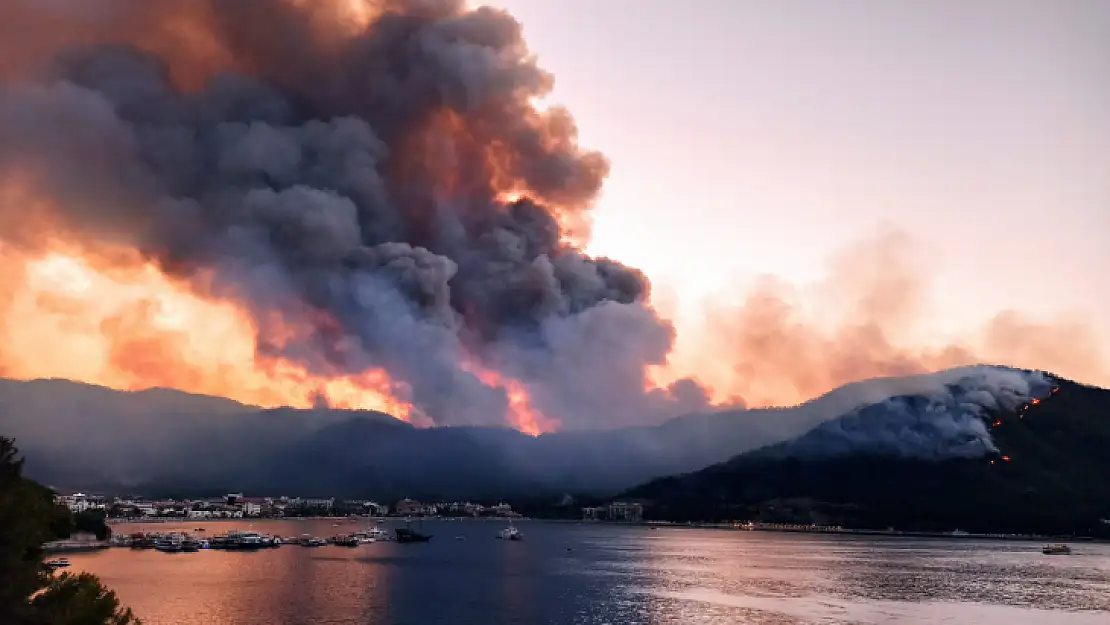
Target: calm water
[[599, 574]]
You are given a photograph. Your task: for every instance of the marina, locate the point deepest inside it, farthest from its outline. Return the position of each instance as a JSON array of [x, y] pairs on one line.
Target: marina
[[198, 539], [563, 570]]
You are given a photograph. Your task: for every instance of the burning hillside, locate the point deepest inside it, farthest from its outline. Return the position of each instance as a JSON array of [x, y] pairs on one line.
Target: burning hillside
[[288, 202]]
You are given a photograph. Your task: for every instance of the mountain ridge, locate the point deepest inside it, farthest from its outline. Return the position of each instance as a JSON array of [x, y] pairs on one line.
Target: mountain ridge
[[212, 445]]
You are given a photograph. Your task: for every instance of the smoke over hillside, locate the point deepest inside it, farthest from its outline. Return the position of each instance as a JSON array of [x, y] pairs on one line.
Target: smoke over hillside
[[367, 185], [947, 418], [783, 344]]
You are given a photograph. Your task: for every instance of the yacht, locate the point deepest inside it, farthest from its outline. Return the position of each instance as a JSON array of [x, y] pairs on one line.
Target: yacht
[[510, 533], [308, 540], [346, 541], [371, 535], [243, 541], [168, 544]]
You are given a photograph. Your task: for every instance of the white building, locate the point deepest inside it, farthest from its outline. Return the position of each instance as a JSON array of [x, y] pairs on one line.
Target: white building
[[80, 502]]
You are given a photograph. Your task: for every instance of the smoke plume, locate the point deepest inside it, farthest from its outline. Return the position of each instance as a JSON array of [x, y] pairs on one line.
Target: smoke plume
[[782, 344], [369, 179], [945, 417]]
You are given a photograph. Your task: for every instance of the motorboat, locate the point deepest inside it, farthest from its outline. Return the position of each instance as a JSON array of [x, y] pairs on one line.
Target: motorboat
[[307, 540], [345, 541], [242, 541], [408, 535], [510, 533], [1056, 550], [370, 535], [59, 563], [168, 544]]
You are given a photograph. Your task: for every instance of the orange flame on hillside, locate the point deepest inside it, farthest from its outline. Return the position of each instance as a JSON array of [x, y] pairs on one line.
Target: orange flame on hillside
[[125, 325], [519, 413]]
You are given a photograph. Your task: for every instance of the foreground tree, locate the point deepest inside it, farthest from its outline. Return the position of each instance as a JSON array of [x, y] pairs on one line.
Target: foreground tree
[[29, 594], [79, 600]]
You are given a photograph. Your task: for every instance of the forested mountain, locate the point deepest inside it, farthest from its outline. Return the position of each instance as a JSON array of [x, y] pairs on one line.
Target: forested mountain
[[1048, 472]]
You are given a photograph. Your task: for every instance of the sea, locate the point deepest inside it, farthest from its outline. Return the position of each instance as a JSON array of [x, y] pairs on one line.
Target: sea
[[604, 574]]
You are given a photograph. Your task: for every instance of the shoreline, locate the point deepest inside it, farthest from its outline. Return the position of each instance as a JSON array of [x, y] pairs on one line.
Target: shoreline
[[775, 528]]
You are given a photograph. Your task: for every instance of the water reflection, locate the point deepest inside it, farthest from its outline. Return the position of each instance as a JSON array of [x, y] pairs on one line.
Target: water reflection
[[586, 574]]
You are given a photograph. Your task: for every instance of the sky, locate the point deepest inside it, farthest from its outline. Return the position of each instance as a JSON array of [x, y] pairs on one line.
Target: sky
[[751, 138]]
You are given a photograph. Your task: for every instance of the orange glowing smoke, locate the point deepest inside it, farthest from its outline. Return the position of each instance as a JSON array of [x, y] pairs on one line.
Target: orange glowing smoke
[[520, 413], [125, 325]]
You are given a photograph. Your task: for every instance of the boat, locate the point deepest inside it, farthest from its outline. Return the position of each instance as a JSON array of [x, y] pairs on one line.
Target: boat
[[142, 541], [120, 540], [510, 533], [372, 534], [1056, 550], [240, 541], [168, 544], [345, 541], [190, 545], [307, 540], [59, 563], [408, 535]]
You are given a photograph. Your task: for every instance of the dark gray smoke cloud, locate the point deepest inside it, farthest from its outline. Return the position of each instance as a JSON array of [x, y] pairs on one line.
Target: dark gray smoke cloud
[[349, 176], [940, 415]]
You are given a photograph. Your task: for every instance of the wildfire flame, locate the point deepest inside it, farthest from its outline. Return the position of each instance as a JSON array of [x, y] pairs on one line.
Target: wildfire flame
[[1005, 458], [519, 413], [128, 326], [1034, 401]]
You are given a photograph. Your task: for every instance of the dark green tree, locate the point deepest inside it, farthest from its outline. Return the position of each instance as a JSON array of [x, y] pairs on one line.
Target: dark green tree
[[79, 600], [29, 594]]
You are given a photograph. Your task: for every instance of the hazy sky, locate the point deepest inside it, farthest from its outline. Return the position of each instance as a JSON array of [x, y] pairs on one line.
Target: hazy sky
[[762, 137]]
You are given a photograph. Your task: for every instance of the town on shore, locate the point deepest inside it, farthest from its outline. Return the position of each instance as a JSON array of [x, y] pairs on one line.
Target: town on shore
[[239, 506]]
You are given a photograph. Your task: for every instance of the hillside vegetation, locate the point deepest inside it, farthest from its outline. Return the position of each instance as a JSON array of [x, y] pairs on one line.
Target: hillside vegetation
[[1051, 475]]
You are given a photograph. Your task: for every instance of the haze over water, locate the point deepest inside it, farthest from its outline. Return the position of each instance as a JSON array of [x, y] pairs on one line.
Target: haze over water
[[594, 574]]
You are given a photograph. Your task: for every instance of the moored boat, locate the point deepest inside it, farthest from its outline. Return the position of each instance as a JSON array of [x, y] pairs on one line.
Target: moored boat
[[345, 541], [168, 544], [510, 533], [1056, 550]]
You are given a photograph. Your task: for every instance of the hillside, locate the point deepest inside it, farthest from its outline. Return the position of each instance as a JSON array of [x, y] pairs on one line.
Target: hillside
[[160, 442], [79, 436], [1049, 473]]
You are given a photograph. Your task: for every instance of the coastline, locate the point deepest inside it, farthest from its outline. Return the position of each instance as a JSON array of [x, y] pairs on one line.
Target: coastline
[[735, 527]]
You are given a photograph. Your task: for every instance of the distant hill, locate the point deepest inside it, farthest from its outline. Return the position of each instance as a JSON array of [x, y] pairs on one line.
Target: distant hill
[[1044, 467], [160, 442]]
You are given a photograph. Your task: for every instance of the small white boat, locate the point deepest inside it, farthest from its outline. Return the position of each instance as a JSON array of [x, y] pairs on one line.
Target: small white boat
[[59, 563], [510, 533], [1056, 550]]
